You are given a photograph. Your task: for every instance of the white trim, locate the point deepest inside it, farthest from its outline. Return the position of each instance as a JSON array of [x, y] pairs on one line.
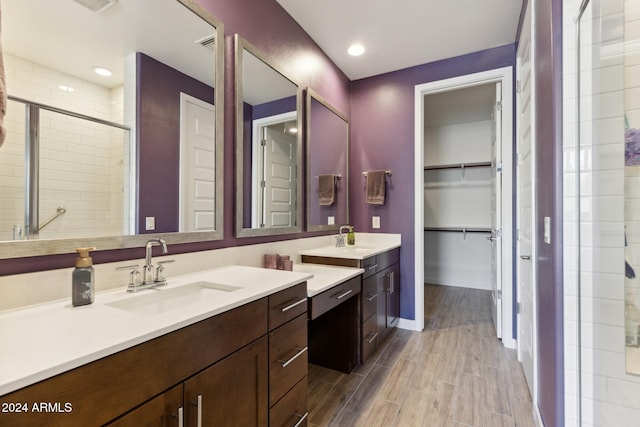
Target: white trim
[[504, 75], [256, 125], [411, 325]]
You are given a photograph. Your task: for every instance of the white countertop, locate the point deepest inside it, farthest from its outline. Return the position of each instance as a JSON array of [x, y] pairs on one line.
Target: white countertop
[[361, 250], [325, 276], [48, 339]]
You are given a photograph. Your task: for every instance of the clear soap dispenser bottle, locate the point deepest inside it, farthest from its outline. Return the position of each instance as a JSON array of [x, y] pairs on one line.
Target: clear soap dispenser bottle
[[83, 279]]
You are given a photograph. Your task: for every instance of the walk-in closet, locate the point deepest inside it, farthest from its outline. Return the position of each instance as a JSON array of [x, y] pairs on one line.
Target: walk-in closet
[[459, 186]]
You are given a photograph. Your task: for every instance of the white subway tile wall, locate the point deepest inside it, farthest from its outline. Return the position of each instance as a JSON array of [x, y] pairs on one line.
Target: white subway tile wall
[[81, 163], [609, 198]]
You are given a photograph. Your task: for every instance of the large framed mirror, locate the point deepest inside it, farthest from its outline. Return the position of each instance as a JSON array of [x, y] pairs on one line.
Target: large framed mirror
[[327, 141], [268, 146], [115, 125]]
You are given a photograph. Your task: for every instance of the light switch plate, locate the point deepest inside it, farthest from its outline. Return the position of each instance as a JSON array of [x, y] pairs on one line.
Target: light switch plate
[[547, 230], [150, 223], [331, 220], [375, 222]]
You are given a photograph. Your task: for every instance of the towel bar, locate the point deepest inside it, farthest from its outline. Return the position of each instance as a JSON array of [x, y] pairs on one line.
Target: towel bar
[[387, 172]]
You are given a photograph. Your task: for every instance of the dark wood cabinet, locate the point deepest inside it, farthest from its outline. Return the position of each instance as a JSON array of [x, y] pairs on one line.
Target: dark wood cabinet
[[164, 410], [380, 296], [232, 392], [216, 370]]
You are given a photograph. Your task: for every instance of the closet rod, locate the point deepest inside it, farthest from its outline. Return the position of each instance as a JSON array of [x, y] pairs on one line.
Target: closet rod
[[460, 229], [459, 166]]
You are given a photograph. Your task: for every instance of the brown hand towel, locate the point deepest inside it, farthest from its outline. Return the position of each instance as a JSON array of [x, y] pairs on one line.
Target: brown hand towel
[[376, 181], [326, 190]]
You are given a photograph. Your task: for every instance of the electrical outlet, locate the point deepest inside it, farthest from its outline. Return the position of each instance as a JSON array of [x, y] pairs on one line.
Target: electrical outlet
[[375, 221], [331, 220], [150, 223]]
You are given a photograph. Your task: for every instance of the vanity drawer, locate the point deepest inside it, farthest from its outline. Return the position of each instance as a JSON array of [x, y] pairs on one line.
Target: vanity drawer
[[369, 297], [291, 410], [288, 356], [369, 337], [388, 258], [325, 301], [370, 266], [287, 304]]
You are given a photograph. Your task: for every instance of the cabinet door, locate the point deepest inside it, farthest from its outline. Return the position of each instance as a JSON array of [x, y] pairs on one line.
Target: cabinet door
[[164, 410], [393, 295], [233, 392]]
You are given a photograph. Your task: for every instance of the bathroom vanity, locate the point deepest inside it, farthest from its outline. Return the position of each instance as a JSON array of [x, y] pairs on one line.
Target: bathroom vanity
[[380, 297], [229, 347]]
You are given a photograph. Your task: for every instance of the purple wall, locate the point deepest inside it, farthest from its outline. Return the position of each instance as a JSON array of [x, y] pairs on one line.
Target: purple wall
[[158, 133], [328, 154], [548, 167], [382, 137], [270, 29]]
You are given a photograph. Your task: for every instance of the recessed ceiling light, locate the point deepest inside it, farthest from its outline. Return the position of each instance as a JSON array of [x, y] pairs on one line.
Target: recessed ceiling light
[[355, 50], [101, 71]]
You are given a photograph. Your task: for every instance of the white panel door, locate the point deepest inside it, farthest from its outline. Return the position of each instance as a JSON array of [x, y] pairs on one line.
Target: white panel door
[[197, 165], [279, 195], [496, 213], [524, 154]]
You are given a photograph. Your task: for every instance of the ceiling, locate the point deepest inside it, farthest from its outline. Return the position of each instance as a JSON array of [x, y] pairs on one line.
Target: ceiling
[[67, 37], [404, 33]]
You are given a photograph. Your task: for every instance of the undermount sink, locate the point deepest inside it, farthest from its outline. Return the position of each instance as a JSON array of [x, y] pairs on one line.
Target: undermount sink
[[156, 301]]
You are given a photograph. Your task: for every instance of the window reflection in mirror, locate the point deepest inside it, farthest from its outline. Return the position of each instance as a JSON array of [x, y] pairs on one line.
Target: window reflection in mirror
[[161, 86], [327, 165], [268, 147]]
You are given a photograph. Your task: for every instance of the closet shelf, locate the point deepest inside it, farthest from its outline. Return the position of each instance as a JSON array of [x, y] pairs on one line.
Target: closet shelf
[[460, 229], [459, 166]]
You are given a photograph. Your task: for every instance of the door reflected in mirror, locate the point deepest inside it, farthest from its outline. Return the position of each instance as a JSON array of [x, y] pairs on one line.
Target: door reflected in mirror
[[110, 181], [267, 146], [327, 165]]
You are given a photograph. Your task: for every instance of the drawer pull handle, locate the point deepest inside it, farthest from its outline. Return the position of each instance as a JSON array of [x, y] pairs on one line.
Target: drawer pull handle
[[302, 418], [371, 297], [299, 353], [181, 417], [295, 304], [344, 294], [370, 340], [373, 267]]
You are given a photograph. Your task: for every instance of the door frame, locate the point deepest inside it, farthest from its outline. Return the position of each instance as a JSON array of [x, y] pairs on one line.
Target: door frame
[[256, 132], [505, 76]]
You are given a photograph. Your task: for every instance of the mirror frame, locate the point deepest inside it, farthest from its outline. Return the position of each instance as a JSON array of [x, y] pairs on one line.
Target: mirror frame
[[312, 95], [29, 248], [240, 46]]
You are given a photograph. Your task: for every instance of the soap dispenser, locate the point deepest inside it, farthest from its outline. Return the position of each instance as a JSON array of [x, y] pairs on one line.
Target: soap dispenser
[[351, 236], [83, 279]]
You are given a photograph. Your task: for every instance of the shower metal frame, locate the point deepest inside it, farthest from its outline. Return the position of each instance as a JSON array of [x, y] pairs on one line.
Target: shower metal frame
[[32, 157]]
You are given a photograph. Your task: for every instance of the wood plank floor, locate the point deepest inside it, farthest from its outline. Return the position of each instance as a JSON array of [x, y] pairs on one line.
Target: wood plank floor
[[454, 373]]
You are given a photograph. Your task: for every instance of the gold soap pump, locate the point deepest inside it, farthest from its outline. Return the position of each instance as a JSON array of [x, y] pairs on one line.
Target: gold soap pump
[[83, 279]]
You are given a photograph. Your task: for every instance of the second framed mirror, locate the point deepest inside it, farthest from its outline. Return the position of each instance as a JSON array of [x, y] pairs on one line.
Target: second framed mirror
[[268, 146], [327, 141]]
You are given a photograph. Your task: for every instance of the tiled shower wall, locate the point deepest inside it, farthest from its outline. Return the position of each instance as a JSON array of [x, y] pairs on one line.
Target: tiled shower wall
[[81, 162], [598, 391]]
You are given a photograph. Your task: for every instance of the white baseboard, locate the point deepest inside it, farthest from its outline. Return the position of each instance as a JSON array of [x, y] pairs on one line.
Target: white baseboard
[[408, 324]]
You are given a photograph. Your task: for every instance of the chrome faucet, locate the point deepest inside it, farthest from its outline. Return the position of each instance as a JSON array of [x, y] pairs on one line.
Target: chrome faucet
[[340, 237], [148, 276], [150, 279]]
